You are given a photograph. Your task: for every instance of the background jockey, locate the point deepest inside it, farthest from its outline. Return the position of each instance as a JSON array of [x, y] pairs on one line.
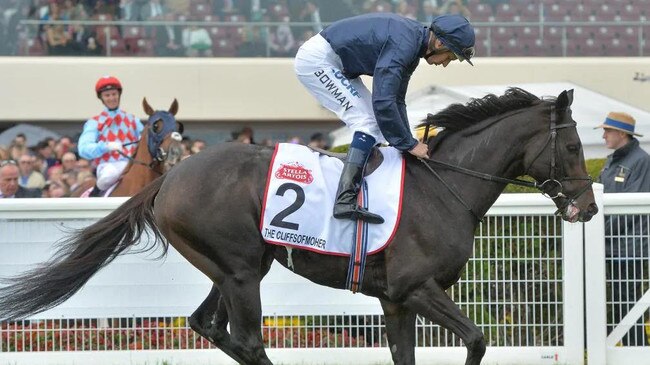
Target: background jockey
[[387, 47], [106, 135]]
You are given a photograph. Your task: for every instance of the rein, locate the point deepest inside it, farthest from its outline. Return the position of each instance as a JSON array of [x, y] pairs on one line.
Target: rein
[[546, 187]]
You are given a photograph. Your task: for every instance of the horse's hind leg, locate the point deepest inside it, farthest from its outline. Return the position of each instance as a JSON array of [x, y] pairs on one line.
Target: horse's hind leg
[[241, 295], [210, 321], [400, 330], [431, 301]]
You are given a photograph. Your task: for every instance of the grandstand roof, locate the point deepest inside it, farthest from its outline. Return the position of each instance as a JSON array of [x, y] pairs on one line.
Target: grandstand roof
[[589, 109]]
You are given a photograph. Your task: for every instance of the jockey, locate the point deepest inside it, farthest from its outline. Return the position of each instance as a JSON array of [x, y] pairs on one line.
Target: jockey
[[105, 135], [388, 47]]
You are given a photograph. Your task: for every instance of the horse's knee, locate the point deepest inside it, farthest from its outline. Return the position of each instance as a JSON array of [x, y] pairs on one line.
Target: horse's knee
[[475, 344]]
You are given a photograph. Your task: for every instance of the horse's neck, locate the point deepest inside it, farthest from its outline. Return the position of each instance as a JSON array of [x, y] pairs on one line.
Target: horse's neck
[[137, 174], [497, 151]]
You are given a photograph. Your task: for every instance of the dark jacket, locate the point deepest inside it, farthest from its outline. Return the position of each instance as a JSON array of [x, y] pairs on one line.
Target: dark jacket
[[627, 170], [387, 47], [27, 193]]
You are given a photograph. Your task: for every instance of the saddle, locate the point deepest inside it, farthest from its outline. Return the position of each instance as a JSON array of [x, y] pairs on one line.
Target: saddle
[[374, 160]]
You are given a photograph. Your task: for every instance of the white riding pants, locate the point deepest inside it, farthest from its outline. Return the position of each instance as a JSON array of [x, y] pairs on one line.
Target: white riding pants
[[109, 172], [319, 68]]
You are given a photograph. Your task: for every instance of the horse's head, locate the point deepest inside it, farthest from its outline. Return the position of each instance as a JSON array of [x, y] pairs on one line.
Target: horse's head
[[555, 159], [164, 135]]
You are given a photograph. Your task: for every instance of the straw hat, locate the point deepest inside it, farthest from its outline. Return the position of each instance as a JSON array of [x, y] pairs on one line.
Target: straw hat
[[621, 122]]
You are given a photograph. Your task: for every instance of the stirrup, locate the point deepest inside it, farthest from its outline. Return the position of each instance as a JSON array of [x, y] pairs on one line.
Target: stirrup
[[357, 212]]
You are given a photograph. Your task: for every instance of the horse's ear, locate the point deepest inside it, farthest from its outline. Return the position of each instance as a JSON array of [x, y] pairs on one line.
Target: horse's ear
[[564, 100], [174, 108], [147, 108]]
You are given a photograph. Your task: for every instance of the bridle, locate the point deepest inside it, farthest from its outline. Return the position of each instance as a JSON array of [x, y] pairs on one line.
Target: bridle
[[552, 188]]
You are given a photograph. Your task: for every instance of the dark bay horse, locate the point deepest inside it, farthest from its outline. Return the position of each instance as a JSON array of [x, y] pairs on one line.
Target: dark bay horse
[[157, 151], [209, 207]]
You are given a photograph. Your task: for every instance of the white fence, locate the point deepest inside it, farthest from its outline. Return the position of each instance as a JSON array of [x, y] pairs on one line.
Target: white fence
[[524, 287]]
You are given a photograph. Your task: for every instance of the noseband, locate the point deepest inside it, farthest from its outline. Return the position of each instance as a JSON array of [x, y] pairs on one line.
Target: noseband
[[551, 188]]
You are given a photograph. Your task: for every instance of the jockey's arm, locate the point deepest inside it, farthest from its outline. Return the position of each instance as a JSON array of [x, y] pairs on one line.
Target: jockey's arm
[[389, 85], [89, 147]]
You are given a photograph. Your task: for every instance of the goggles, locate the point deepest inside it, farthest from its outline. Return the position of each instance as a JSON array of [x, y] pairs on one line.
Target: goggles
[[7, 162]]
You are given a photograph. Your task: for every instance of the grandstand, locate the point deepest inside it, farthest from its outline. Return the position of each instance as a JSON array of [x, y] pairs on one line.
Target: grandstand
[[573, 28]]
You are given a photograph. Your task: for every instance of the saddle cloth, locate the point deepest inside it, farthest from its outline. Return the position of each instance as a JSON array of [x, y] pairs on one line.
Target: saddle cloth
[[300, 194]]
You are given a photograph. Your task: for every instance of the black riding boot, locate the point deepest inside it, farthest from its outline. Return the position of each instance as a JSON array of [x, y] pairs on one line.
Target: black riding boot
[[95, 193], [346, 206]]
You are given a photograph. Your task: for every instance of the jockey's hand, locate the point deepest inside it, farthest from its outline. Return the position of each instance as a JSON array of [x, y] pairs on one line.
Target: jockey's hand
[[420, 150], [114, 146]]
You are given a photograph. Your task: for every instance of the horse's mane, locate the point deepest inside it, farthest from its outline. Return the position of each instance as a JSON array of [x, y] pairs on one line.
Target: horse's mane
[[458, 116]]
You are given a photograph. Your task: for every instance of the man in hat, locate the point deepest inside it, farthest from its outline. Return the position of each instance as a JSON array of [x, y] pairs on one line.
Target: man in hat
[[388, 47], [627, 170]]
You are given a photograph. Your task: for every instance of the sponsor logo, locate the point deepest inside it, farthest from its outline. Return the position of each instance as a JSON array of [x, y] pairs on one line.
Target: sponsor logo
[[295, 172]]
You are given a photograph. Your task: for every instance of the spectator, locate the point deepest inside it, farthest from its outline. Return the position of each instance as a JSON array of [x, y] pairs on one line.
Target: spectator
[[105, 136], [429, 11], [318, 140], [197, 146], [168, 39], [197, 42], [57, 189], [186, 144], [248, 132], [311, 14], [83, 165], [627, 170], [28, 177], [4, 153], [57, 37], [46, 153], [153, 10], [389, 47], [254, 44], [455, 7], [404, 9], [281, 40], [9, 187], [20, 140], [16, 150], [69, 161]]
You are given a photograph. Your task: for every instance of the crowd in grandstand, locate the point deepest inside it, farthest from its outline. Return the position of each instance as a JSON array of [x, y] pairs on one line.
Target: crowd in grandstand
[[53, 166], [174, 38], [256, 28]]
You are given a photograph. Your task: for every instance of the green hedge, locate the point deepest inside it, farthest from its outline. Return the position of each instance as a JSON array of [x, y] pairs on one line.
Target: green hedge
[[593, 169]]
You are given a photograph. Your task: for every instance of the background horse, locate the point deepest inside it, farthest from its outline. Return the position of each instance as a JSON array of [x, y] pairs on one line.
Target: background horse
[[158, 150], [209, 208]]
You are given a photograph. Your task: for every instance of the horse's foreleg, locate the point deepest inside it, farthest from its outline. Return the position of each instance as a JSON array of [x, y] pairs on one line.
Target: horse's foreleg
[[431, 301], [210, 321], [400, 330]]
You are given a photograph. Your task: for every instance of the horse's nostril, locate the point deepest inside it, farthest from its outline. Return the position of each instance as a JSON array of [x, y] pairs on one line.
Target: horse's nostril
[[593, 209]]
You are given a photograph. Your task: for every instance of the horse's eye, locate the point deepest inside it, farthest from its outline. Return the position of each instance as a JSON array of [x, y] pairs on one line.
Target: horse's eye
[[157, 126], [573, 148], [181, 127]]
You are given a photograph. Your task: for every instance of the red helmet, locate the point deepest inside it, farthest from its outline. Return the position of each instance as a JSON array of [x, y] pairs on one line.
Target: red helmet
[[107, 83]]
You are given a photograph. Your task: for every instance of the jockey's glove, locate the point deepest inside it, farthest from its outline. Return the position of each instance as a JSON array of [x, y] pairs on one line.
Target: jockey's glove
[[114, 146]]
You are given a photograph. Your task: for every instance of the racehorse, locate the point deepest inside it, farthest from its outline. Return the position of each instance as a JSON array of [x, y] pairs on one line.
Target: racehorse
[[209, 209], [158, 150]]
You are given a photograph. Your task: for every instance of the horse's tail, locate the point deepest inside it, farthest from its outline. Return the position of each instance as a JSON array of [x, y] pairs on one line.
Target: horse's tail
[[80, 256]]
